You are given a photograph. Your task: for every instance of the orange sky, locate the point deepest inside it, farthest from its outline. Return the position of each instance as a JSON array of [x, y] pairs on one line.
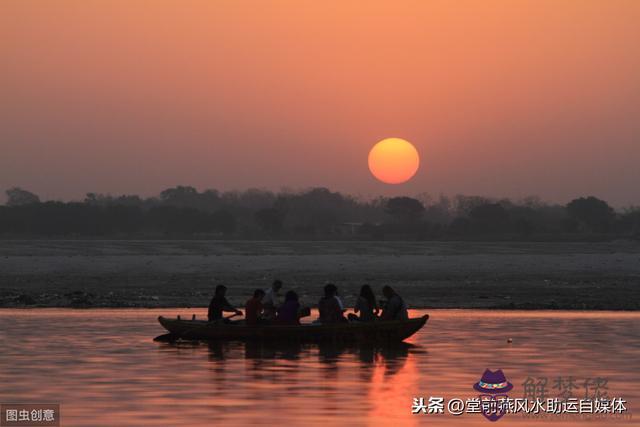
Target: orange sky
[[505, 98]]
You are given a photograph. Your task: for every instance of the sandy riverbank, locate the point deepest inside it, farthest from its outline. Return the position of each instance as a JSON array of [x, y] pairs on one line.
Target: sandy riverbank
[[123, 273]]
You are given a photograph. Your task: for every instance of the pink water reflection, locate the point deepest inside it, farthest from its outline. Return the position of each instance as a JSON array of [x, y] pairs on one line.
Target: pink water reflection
[[105, 370]]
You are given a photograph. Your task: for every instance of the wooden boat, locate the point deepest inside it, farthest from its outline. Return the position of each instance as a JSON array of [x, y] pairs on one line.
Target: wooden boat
[[379, 331]]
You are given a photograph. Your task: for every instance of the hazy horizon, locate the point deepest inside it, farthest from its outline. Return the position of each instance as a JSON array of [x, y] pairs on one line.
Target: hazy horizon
[[426, 198], [501, 99]]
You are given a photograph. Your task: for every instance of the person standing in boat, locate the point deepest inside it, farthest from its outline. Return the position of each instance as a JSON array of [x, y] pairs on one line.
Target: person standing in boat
[[253, 308], [271, 300], [219, 304], [329, 306], [365, 305], [395, 307], [289, 312]]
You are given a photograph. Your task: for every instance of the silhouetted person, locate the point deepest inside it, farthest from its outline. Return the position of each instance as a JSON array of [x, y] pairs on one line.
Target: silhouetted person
[[365, 305], [289, 312], [395, 308], [271, 300], [253, 308], [219, 304], [330, 307]]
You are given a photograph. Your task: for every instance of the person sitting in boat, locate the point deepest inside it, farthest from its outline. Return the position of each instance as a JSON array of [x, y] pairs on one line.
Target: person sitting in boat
[[271, 300], [365, 305], [253, 308], [395, 308], [337, 297], [219, 304], [289, 312], [330, 307]]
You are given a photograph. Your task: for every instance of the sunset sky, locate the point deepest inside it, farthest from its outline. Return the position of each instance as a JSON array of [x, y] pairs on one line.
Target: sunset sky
[[501, 98]]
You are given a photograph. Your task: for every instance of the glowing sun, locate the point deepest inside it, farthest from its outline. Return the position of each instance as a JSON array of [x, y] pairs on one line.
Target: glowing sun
[[394, 160]]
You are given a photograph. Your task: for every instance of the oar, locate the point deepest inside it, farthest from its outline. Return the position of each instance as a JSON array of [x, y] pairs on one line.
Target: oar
[[171, 337]]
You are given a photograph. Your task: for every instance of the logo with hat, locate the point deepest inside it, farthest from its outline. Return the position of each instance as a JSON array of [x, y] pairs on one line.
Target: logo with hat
[[493, 387]]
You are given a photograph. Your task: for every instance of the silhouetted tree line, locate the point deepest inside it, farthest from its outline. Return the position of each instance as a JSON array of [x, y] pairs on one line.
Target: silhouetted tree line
[[312, 214]]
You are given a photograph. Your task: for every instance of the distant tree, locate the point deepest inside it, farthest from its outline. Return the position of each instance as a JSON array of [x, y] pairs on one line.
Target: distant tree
[[490, 217], [592, 212], [372, 231], [209, 200], [439, 211], [16, 196], [314, 211], [92, 198], [270, 220], [630, 221], [460, 226], [463, 205], [224, 221], [256, 198], [172, 220], [532, 202], [526, 217], [405, 209], [524, 227], [570, 225], [123, 218], [128, 200], [108, 200], [182, 196]]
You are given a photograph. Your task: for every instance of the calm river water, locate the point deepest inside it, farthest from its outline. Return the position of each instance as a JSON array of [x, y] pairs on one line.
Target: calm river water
[[104, 369]]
